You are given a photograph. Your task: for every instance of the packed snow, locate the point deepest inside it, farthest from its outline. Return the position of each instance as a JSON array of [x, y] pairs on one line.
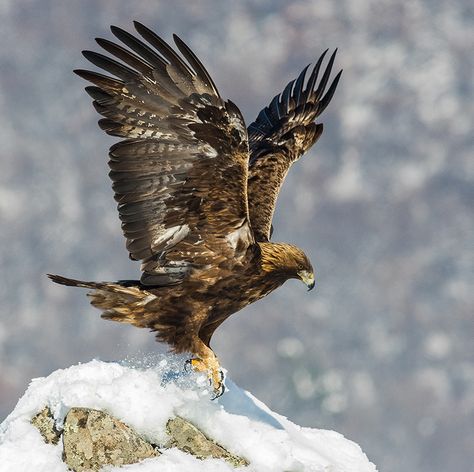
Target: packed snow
[[145, 396]]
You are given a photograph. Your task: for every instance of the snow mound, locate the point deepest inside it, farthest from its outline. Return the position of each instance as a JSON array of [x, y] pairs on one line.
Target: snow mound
[[145, 396]]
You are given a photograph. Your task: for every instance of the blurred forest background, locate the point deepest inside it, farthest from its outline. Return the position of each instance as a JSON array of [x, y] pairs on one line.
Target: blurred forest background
[[382, 350]]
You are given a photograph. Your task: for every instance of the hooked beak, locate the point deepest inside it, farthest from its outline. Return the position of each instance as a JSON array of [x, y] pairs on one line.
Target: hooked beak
[[307, 278]]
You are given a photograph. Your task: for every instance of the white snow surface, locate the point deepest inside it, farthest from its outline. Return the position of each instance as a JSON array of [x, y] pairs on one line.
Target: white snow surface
[[145, 395]]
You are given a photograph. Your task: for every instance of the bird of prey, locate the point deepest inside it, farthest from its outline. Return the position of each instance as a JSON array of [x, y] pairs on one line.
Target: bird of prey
[[196, 189]]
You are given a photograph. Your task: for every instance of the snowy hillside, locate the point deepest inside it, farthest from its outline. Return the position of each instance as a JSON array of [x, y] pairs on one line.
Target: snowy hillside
[[145, 398]]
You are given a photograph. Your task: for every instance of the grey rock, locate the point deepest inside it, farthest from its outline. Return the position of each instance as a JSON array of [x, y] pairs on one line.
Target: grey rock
[[93, 439], [186, 437], [44, 421]]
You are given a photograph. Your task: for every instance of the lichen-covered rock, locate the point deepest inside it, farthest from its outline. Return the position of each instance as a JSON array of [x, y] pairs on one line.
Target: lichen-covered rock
[[44, 421], [92, 439], [186, 437]]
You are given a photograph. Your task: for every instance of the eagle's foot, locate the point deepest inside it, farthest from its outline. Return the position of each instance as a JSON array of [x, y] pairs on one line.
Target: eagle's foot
[[214, 373]]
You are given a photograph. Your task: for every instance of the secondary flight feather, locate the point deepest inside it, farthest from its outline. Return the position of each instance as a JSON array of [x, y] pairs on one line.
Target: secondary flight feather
[[196, 190]]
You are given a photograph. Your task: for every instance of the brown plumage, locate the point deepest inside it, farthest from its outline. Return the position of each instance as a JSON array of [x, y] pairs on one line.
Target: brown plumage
[[196, 190]]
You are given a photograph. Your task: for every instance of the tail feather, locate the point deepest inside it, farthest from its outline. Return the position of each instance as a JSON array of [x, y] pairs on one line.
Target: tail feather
[[128, 301], [59, 279], [118, 301]]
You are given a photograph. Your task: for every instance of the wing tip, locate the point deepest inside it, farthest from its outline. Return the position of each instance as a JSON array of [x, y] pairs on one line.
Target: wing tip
[[137, 24], [83, 73], [114, 29]]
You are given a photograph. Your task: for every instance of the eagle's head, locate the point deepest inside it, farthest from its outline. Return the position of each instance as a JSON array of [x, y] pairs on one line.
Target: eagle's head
[[287, 261]]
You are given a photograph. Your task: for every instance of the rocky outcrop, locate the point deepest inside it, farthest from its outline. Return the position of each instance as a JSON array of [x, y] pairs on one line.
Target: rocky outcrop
[[92, 439], [186, 437]]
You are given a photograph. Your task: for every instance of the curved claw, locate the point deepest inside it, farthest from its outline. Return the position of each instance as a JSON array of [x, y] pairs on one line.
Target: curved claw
[[188, 363], [220, 388], [218, 392]]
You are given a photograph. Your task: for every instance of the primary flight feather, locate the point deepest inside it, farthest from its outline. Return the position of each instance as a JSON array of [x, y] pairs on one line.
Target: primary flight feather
[[196, 190]]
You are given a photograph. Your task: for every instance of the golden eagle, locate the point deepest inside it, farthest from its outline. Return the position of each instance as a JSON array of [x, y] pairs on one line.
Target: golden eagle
[[196, 189]]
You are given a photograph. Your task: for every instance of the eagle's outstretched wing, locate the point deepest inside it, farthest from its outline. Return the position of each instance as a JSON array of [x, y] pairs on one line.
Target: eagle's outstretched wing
[[180, 176], [282, 132]]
